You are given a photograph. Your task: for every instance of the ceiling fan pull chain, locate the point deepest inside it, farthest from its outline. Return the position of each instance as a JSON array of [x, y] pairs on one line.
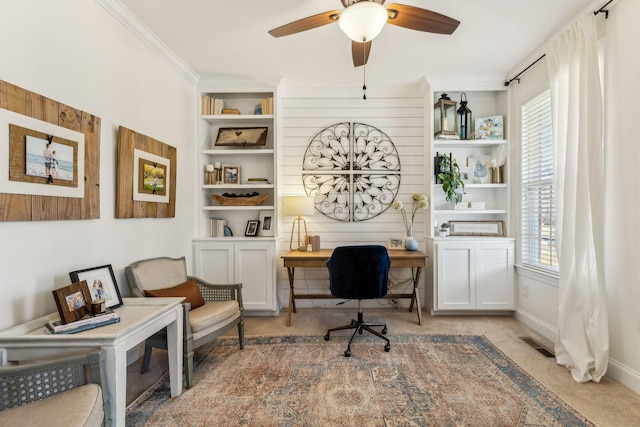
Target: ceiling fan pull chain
[[364, 78]]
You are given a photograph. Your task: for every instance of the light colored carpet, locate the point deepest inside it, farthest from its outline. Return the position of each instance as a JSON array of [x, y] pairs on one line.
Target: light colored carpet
[[425, 380]]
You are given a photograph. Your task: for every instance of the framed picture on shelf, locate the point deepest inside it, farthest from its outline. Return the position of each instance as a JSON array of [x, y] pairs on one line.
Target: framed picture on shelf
[[489, 127], [266, 224], [230, 174], [242, 136], [101, 283], [476, 228], [252, 228], [73, 301], [478, 173]]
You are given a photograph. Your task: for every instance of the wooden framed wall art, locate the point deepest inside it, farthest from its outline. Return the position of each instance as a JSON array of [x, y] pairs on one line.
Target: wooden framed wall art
[[35, 183], [146, 171]]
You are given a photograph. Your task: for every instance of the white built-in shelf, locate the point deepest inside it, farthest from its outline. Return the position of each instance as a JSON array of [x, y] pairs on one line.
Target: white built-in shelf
[[238, 117], [235, 186], [236, 208], [467, 143], [236, 151], [478, 186], [470, 211]]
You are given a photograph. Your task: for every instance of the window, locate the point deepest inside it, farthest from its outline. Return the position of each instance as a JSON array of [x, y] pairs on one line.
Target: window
[[538, 227]]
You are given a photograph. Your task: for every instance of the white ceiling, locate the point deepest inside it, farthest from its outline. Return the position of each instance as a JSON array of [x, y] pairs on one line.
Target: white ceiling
[[229, 38]]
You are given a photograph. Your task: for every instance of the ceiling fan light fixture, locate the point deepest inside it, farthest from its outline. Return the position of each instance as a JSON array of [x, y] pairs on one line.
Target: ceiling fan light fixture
[[363, 21]]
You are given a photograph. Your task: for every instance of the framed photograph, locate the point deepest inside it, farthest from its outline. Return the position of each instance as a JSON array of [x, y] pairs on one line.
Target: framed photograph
[[395, 244], [266, 225], [152, 176], [489, 127], [101, 283], [73, 301], [230, 174], [146, 176], [252, 228], [242, 136], [477, 172], [476, 228]]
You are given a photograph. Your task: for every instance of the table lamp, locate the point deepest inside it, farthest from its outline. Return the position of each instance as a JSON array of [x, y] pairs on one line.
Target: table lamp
[[298, 206]]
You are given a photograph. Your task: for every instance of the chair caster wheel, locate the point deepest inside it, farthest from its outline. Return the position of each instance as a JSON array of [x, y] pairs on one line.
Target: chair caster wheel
[[326, 337], [387, 347], [347, 353], [384, 331]]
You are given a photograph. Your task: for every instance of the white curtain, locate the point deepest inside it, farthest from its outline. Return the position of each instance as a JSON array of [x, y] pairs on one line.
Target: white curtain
[[582, 343]]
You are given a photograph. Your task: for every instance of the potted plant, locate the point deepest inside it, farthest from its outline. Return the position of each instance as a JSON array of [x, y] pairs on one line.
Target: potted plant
[[449, 175], [444, 229]]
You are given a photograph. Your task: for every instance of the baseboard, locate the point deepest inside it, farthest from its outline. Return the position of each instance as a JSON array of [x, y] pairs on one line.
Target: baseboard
[[541, 327], [624, 375]]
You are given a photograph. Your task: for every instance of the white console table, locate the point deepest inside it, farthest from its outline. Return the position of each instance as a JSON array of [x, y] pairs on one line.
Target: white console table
[[139, 319]]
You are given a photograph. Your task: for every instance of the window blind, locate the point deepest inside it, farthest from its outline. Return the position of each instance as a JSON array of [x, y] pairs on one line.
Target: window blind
[[538, 205]]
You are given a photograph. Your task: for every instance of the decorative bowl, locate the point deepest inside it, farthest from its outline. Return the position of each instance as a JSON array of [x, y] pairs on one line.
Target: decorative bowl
[[240, 200]]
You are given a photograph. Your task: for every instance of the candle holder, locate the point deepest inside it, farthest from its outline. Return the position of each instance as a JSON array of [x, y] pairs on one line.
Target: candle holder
[[208, 175], [218, 174]]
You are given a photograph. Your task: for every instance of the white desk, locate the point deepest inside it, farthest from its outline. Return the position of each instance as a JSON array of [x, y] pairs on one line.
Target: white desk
[[139, 319]]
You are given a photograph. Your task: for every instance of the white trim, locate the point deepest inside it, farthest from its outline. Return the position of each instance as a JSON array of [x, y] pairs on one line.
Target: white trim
[[540, 275], [137, 27], [624, 375], [538, 325]]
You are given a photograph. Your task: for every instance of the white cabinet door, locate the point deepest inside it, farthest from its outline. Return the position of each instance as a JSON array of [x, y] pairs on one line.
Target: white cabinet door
[[254, 269], [456, 276], [494, 276], [474, 275], [214, 262], [248, 262]]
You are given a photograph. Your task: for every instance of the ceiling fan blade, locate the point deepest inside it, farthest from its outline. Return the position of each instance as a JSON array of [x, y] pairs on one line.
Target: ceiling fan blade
[[360, 53], [307, 23], [419, 19]]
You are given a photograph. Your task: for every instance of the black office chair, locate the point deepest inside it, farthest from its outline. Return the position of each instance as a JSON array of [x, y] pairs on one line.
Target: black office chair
[[359, 272]]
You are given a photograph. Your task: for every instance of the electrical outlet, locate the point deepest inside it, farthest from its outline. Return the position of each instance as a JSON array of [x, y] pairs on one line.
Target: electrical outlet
[[525, 290]]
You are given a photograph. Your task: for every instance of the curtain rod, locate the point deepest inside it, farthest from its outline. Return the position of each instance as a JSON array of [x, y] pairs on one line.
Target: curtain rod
[[596, 12], [602, 9], [516, 77]]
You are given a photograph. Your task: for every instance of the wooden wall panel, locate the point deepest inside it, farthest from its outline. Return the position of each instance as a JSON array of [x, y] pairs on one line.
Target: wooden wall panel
[[22, 207], [126, 207]]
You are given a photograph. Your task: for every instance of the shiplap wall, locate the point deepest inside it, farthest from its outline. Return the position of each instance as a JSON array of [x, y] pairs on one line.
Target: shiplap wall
[[402, 119]]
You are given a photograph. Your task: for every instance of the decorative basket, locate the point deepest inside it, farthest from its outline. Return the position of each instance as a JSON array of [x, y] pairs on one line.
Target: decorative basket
[[240, 201]]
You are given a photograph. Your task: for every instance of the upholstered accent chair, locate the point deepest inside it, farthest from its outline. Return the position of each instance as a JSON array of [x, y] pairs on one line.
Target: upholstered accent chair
[[62, 391], [359, 272], [210, 310]]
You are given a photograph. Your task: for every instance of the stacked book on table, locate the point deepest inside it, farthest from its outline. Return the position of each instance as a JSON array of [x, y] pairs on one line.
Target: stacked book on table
[[55, 326]]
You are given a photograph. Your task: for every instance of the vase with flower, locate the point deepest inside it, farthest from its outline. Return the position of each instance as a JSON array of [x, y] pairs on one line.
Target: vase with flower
[[418, 201]]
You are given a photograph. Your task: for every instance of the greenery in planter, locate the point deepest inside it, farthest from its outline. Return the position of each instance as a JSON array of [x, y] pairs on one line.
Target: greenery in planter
[[449, 175], [444, 226]]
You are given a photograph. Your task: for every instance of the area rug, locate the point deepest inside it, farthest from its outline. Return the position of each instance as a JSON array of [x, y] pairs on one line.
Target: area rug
[[425, 380]]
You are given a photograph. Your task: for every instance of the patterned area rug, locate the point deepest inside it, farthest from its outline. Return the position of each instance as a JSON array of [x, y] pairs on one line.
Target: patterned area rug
[[432, 380]]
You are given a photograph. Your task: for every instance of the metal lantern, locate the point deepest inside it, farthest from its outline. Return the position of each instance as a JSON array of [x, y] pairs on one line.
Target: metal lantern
[[446, 125], [464, 118]]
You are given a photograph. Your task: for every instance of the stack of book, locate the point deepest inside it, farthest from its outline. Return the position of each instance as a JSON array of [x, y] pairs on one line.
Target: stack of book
[[210, 105], [55, 326], [216, 227], [267, 106]]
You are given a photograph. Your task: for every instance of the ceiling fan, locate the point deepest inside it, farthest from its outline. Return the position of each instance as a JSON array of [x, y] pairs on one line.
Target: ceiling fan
[[362, 21]]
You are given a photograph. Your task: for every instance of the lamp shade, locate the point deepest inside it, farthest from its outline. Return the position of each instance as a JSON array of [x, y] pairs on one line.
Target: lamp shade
[[363, 21], [298, 205]]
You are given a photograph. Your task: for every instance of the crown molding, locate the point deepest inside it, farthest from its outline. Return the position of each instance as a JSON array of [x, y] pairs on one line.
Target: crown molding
[[131, 22]]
